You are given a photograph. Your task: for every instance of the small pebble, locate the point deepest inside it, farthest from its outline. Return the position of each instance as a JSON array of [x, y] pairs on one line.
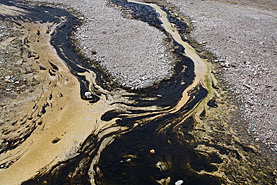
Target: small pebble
[[179, 182], [128, 160]]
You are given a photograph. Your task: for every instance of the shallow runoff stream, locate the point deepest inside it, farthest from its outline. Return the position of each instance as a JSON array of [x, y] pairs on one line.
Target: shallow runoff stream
[[81, 129]]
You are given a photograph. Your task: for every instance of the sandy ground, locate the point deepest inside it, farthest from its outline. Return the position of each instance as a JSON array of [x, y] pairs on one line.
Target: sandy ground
[[242, 34]]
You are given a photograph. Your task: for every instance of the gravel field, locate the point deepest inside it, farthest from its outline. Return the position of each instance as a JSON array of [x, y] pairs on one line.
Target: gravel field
[[130, 50], [242, 34]]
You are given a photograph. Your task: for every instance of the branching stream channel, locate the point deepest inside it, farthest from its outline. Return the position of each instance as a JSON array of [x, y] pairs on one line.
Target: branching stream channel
[[80, 129]]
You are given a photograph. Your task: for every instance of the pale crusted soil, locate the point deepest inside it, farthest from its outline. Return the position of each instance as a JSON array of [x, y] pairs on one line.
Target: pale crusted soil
[[16, 74], [242, 34]]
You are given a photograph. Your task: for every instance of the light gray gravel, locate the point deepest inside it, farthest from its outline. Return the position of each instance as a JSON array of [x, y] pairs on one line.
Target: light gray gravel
[[243, 37], [131, 51]]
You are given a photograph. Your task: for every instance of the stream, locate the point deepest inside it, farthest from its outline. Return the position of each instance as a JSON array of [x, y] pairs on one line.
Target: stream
[[82, 129]]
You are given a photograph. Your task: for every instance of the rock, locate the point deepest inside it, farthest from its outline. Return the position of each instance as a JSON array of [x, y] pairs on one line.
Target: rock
[[88, 95], [268, 86], [203, 43], [162, 166], [128, 160], [152, 151], [224, 64], [93, 52], [179, 182], [248, 86], [144, 78], [9, 79]]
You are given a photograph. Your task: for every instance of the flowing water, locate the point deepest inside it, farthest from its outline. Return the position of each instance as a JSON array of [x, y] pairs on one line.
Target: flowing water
[[114, 135]]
